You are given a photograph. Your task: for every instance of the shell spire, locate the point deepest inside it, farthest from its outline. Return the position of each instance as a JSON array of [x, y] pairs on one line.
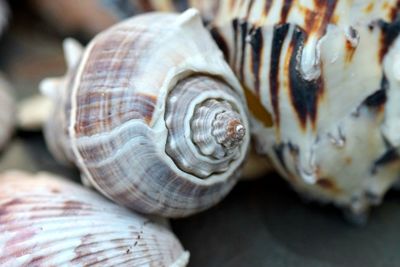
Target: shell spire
[[217, 128], [228, 129]]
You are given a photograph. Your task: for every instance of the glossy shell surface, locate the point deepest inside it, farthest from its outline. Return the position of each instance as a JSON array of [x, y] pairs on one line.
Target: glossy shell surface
[[48, 221]]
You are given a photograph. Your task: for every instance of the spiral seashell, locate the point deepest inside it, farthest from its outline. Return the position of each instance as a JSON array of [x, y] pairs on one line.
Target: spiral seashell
[[139, 112], [49, 221], [322, 83], [7, 115]]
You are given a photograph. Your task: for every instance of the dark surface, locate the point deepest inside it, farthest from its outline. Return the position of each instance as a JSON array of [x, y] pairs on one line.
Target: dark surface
[[261, 223]]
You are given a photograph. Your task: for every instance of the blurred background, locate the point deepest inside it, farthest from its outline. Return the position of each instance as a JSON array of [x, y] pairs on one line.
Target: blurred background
[[261, 223]]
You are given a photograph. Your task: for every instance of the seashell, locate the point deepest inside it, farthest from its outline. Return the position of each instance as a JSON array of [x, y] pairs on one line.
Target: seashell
[[322, 83], [151, 114], [7, 111], [49, 221]]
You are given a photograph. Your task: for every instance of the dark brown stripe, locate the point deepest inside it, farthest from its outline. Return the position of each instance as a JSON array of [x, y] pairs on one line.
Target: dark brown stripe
[[287, 5], [317, 19], [328, 8], [379, 98], [256, 43], [304, 93], [395, 11], [219, 39], [390, 31], [235, 42], [249, 8], [280, 32], [267, 7], [243, 31], [279, 152], [390, 156]]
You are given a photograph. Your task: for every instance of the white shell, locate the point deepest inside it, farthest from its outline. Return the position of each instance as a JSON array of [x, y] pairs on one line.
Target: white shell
[[124, 114], [49, 221], [316, 67]]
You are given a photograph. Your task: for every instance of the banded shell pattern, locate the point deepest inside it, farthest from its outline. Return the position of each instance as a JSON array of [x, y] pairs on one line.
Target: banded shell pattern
[[327, 72], [152, 115], [49, 221]]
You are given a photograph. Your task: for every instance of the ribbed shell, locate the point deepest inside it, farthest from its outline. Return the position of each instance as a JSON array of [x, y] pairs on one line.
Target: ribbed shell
[[116, 120], [326, 72], [7, 107], [48, 221]]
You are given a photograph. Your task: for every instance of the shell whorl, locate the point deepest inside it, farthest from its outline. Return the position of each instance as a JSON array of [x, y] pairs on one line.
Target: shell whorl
[[207, 146], [217, 128], [128, 110]]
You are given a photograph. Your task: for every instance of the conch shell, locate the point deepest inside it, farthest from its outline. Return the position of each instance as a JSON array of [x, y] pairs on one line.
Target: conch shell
[[151, 114], [49, 221], [327, 75]]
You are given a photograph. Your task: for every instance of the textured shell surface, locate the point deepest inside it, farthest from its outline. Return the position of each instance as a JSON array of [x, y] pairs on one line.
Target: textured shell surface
[[152, 115], [7, 106], [327, 72], [49, 221]]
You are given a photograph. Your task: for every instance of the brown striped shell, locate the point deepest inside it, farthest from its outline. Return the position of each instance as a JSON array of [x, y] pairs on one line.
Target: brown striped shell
[[48, 221], [152, 115], [322, 82]]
